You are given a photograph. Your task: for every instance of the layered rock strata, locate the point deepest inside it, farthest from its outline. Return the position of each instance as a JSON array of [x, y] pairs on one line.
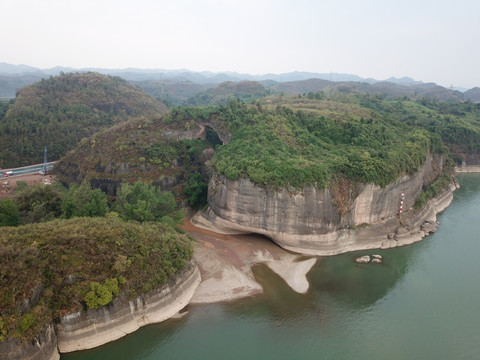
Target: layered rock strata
[[91, 328], [323, 221]]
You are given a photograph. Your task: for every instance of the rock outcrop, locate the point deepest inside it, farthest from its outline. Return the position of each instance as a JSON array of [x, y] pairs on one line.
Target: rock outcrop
[[87, 329], [363, 259], [91, 328], [43, 347], [323, 221]]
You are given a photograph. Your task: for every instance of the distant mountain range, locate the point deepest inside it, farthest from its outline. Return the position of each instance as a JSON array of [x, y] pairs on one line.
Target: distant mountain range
[[177, 86], [134, 74]]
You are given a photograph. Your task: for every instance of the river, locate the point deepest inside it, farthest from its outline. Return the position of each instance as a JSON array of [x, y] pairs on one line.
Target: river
[[423, 302]]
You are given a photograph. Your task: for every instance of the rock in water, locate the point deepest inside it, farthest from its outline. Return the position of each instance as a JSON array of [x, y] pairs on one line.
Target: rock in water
[[363, 259], [379, 257], [376, 261]]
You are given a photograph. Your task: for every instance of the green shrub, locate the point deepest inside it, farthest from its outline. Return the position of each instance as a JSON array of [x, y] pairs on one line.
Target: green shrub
[[84, 201], [196, 190], [112, 286], [145, 202], [286, 147], [9, 213], [432, 190], [99, 295], [26, 322], [39, 203], [3, 330]]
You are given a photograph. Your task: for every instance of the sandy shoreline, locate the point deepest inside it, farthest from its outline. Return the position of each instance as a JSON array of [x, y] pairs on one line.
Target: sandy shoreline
[[226, 262], [467, 169]]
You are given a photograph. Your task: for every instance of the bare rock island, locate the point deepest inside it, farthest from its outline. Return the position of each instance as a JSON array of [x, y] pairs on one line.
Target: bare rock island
[[327, 221]]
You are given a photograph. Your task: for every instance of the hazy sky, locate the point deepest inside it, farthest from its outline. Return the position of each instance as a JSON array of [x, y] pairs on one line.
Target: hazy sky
[[428, 40]]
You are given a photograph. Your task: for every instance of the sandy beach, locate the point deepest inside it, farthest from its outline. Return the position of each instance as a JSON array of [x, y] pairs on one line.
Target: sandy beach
[[226, 261]]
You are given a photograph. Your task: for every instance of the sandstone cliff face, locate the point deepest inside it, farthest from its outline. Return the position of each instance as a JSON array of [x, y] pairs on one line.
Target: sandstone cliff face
[[43, 347], [374, 203], [310, 220], [91, 328], [87, 329]]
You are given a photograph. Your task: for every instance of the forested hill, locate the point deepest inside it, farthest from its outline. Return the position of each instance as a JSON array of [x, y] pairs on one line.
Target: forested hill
[[287, 140], [60, 111], [224, 92]]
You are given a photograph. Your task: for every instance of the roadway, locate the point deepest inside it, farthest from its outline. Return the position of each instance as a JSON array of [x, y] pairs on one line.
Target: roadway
[[25, 170]]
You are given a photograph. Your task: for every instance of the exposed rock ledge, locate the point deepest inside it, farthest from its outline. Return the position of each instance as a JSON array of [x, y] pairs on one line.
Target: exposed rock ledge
[[308, 222], [91, 328]]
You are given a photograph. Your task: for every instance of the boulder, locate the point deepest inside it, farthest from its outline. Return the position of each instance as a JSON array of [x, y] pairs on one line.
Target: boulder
[[363, 259]]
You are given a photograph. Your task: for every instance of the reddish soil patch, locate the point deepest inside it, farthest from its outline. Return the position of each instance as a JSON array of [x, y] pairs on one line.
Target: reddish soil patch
[[9, 184]]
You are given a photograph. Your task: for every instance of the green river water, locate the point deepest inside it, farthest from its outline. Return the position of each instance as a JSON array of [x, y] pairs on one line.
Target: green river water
[[422, 303]]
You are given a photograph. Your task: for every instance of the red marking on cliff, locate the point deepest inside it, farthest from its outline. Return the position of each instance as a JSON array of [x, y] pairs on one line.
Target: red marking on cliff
[[402, 198]]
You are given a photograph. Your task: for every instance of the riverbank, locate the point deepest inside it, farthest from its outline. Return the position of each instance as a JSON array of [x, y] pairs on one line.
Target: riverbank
[[226, 262], [467, 169], [94, 327], [412, 299]]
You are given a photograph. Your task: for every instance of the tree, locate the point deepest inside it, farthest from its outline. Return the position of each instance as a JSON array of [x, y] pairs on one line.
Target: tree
[[145, 202], [196, 190], [99, 295], [84, 201], [39, 203], [9, 214]]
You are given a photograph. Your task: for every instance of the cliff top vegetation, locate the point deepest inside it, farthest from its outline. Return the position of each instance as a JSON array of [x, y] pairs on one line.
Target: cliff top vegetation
[[316, 144], [58, 267], [289, 140]]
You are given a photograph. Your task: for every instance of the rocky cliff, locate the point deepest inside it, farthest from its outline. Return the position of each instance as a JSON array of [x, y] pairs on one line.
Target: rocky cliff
[[87, 329], [43, 347], [323, 221], [91, 328]]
